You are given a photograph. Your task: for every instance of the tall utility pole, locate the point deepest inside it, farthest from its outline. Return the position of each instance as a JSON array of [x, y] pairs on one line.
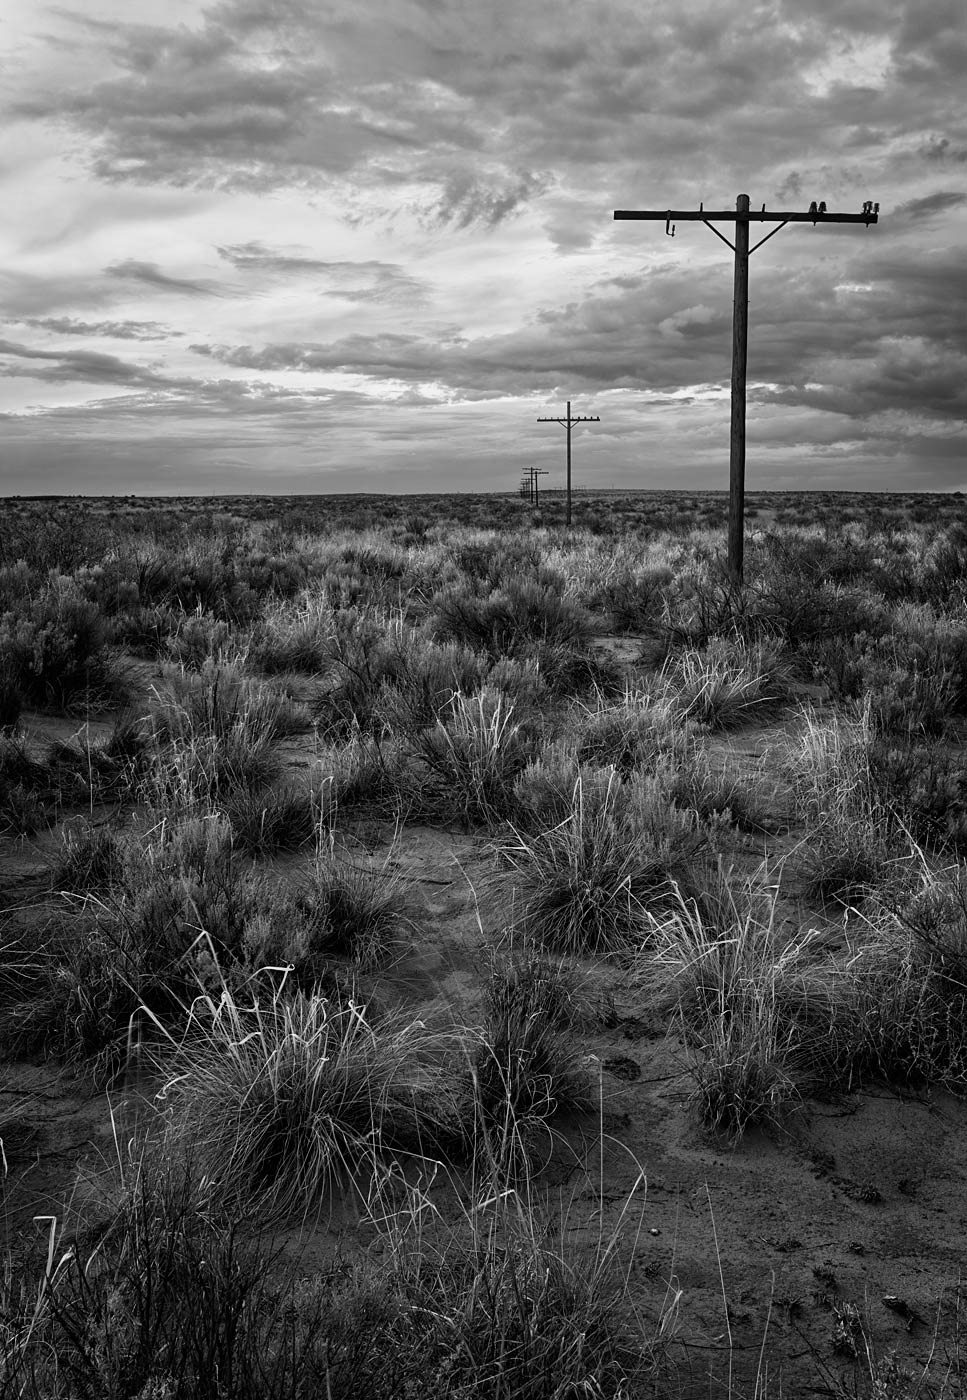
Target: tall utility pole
[[569, 423], [741, 218]]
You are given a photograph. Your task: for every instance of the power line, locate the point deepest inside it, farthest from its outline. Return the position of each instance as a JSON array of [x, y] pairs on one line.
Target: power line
[[742, 217], [568, 423]]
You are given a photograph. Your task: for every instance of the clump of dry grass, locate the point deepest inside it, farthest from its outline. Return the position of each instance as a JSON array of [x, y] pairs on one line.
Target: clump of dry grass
[[284, 1098], [735, 976], [850, 841], [473, 754], [526, 1066], [585, 885], [216, 733], [728, 682]]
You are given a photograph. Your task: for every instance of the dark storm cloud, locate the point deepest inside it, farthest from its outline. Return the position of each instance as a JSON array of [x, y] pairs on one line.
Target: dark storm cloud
[[490, 110], [483, 106], [114, 330], [149, 274]]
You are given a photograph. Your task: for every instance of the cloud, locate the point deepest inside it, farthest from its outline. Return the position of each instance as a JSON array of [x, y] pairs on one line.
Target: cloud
[[369, 280], [68, 366], [150, 275], [114, 330], [467, 199], [930, 205], [486, 110], [654, 334], [412, 203]]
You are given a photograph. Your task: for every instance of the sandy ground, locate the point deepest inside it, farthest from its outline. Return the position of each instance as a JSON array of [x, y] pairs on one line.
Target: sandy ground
[[860, 1200]]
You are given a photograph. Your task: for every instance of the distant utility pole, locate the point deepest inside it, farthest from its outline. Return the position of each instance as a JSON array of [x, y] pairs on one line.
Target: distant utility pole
[[742, 217], [569, 423], [535, 472]]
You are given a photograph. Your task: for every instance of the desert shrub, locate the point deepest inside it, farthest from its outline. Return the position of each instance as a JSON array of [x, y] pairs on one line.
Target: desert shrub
[[523, 682], [472, 755], [111, 584], [350, 911], [585, 885], [270, 575], [900, 992], [638, 732], [850, 839], [634, 597], [186, 896], [922, 787], [737, 980], [829, 766], [90, 859], [18, 581], [281, 818], [419, 695], [11, 698], [174, 916], [145, 630], [337, 915], [491, 561], [704, 602], [294, 636], [107, 770], [807, 613], [934, 642], [846, 862], [525, 619], [216, 733], [943, 574], [87, 996], [908, 691], [366, 774], [285, 1098], [55, 650], [387, 674], [198, 639], [29, 796], [172, 1299], [218, 577], [47, 535], [526, 1067], [726, 683], [517, 1306], [812, 558], [716, 793], [543, 792]]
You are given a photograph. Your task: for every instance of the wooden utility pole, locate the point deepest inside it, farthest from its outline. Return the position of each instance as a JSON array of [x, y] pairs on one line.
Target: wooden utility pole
[[569, 423], [741, 218], [535, 473]]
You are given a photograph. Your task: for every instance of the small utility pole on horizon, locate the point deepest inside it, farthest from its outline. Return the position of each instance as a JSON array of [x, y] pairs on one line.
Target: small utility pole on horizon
[[568, 422], [535, 472], [742, 217]]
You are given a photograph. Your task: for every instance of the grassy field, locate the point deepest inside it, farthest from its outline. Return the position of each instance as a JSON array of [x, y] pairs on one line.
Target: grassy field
[[449, 955]]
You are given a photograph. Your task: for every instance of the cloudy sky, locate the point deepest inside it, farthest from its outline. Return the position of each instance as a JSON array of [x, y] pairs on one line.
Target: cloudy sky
[[362, 245]]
